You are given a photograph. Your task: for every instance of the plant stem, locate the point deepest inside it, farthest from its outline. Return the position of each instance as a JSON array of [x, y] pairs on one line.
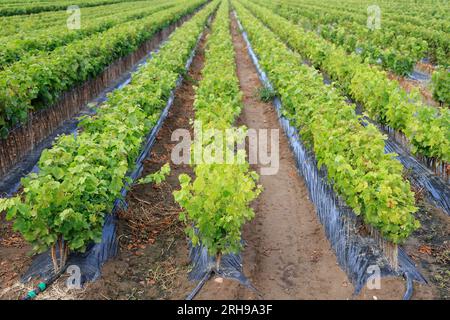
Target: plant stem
[[218, 260], [54, 260], [66, 253]]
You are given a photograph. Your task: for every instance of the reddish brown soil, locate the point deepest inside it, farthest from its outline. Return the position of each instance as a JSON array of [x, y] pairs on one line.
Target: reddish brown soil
[[13, 257], [409, 84], [425, 67]]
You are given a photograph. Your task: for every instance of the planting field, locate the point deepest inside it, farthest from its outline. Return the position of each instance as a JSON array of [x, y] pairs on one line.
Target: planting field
[[224, 149]]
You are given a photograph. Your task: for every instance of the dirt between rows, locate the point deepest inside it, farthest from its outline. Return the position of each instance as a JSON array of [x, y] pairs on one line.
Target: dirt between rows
[[286, 256]]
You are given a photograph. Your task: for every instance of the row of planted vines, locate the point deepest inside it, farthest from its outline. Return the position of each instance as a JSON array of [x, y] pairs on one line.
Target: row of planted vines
[[370, 180], [395, 44]]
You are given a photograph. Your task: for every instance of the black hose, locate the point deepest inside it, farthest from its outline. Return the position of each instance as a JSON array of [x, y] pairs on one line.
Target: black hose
[[43, 285], [199, 286], [409, 286]]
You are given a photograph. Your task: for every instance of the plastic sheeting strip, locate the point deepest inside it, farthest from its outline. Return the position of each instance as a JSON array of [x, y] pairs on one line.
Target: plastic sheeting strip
[[204, 266]]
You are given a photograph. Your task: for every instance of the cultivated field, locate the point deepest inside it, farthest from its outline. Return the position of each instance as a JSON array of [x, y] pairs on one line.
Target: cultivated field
[[224, 149]]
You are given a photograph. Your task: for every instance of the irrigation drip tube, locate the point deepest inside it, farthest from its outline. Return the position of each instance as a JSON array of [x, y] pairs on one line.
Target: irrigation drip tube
[[355, 252], [42, 286], [91, 261]]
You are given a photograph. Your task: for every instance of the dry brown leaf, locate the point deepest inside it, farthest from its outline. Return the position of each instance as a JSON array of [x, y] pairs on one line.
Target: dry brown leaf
[[425, 249]]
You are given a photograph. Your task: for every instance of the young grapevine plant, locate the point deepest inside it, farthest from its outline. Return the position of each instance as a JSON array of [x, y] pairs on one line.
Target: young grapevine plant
[[217, 201]]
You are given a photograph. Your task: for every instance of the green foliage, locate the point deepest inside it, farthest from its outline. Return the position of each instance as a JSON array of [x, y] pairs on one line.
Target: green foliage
[[266, 94], [37, 81], [29, 7], [218, 97], [217, 203], [384, 100], [157, 177], [37, 42], [397, 46]]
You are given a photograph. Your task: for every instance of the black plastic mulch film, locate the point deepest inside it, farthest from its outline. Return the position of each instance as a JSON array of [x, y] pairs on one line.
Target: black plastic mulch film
[[204, 266], [355, 253]]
